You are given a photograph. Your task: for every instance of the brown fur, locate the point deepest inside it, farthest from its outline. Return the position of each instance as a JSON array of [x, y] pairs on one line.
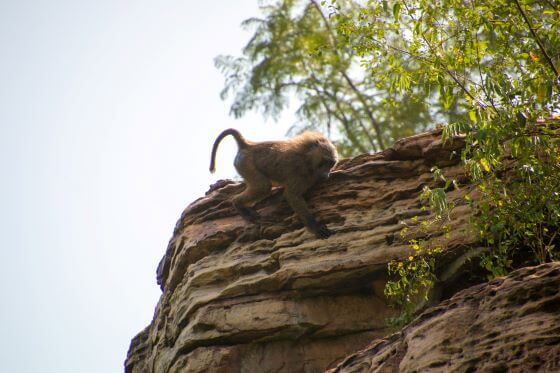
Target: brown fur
[[296, 164]]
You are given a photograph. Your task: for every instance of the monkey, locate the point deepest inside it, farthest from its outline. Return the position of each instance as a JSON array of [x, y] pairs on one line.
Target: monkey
[[296, 165]]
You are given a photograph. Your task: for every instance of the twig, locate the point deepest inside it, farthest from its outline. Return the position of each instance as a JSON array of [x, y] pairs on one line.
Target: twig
[[445, 68], [541, 47], [355, 89], [482, 85]]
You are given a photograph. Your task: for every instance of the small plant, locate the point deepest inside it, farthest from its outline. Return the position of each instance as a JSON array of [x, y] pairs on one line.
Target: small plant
[[497, 262], [414, 276]]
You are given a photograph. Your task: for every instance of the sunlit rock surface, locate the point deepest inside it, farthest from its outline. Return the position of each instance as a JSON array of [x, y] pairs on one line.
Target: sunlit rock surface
[[273, 298], [510, 324]]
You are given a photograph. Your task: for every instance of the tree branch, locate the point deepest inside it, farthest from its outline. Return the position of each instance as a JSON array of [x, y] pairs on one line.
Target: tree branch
[[445, 68], [376, 126], [541, 47]]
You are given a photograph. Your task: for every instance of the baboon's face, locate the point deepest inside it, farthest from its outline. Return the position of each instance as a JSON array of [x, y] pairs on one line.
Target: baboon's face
[[325, 168], [325, 159]]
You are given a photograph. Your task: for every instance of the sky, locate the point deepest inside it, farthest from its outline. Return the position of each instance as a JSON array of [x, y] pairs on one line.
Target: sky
[[108, 110]]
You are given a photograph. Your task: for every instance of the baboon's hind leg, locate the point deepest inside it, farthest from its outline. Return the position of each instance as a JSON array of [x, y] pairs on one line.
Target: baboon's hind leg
[[257, 188]]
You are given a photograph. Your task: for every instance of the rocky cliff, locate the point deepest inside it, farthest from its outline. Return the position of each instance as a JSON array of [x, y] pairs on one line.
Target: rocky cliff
[[510, 324], [271, 298]]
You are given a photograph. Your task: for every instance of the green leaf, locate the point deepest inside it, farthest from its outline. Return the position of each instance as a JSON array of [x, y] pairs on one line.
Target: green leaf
[[472, 116], [396, 11], [484, 164]]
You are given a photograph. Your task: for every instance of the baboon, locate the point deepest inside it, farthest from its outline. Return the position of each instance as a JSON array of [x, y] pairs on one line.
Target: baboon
[[296, 164]]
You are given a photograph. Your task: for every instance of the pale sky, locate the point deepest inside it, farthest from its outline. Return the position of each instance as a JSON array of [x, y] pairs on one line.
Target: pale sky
[[108, 110]]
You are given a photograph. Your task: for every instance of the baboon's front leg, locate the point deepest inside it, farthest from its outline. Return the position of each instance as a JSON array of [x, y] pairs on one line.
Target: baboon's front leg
[[298, 204]]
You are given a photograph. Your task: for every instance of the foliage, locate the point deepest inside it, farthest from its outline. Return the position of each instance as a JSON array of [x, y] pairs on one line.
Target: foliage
[[412, 278], [521, 211]]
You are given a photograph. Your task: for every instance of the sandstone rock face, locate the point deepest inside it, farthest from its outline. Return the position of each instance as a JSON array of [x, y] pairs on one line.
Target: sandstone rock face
[[510, 324], [272, 298]]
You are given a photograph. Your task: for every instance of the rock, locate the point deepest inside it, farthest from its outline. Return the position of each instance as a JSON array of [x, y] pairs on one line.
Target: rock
[[273, 298], [511, 324]]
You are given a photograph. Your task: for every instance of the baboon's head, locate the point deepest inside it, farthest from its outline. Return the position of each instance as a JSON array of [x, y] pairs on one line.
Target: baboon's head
[[323, 158]]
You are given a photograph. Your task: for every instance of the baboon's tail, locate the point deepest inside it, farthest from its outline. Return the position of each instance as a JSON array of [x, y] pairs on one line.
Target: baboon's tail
[[241, 143]]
